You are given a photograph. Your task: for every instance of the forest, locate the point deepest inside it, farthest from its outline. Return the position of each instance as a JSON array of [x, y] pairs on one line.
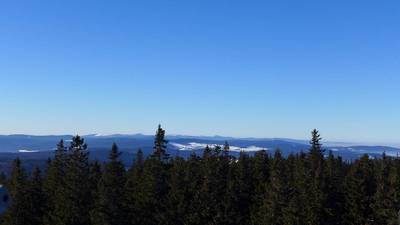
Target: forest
[[312, 187]]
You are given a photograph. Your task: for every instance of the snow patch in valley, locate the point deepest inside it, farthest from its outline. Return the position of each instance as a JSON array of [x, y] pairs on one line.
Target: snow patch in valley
[[200, 146], [27, 151]]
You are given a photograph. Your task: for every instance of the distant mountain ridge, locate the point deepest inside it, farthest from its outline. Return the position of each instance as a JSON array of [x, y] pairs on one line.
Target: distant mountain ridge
[[131, 142], [35, 150]]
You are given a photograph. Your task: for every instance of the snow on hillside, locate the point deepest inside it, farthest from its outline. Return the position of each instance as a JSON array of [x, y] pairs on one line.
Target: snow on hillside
[[200, 146]]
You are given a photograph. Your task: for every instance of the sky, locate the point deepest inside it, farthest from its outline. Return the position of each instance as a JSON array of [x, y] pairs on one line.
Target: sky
[[233, 68]]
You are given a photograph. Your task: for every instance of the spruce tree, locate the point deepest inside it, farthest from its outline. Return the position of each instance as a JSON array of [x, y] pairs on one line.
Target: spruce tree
[[207, 152], [272, 208], [54, 186], [385, 200], [193, 179], [19, 212], [132, 189], [3, 178], [316, 196], [77, 196], [36, 198], [109, 208], [294, 211], [208, 196], [151, 192], [160, 145], [238, 197], [95, 175], [335, 197], [176, 201], [360, 187], [260, 177]]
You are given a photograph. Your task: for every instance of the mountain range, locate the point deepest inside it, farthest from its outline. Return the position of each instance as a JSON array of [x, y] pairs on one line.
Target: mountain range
[[181, 144], [35, 150]]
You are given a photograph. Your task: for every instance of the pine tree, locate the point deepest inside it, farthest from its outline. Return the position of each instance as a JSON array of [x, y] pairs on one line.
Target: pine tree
[[175, 209], [19, 213], [109, 208], [151, 193], [3, 178], [220, 187], [132, 191], [226, 149], [294, 212], [36, 198], [260, 177], [95, 175], [54, 186], [272, 208], [359, 190], [208, 195], [77, 196], [160, 145], [239, 192], [385, 201], [193, 179], [207, 152], [316, 196], [335, 199], [94, 179]]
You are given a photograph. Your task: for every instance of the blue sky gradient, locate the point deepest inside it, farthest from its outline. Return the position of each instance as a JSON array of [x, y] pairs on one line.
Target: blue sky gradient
[[238, 68]]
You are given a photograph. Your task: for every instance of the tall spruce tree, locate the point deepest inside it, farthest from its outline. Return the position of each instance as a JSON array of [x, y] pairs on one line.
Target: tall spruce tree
[[150, 194], [36, 197], [294, 211], [77, 196], [238, 197], [385, 200], [132, 189], [54, 186], [260, 176], [176, 202], [272, 208], [335, 199], [110, 206], [19, 213], [316, 195], [360, 188], [193, 179], [160, 145], [95, 176]]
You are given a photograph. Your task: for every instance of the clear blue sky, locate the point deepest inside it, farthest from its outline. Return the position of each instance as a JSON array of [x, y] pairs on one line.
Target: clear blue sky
[[239, 68]]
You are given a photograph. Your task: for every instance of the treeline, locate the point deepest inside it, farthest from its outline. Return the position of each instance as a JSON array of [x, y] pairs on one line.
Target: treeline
[[306, 188]]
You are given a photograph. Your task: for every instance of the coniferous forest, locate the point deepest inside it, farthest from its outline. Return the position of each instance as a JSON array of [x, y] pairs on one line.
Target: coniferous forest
[[312, 187]]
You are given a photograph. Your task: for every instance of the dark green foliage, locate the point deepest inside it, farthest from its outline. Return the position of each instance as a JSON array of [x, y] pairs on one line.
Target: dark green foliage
[[36, 197], [151, 193], [3, 178], [272, 208], [176, 195], [77, 195], [239, 191], [294, 212], [360, 186], [19, 213], [386, 202], [160, 145], [334, 205], [303, 189], [316, 196], [54, 186], [109, 208]]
